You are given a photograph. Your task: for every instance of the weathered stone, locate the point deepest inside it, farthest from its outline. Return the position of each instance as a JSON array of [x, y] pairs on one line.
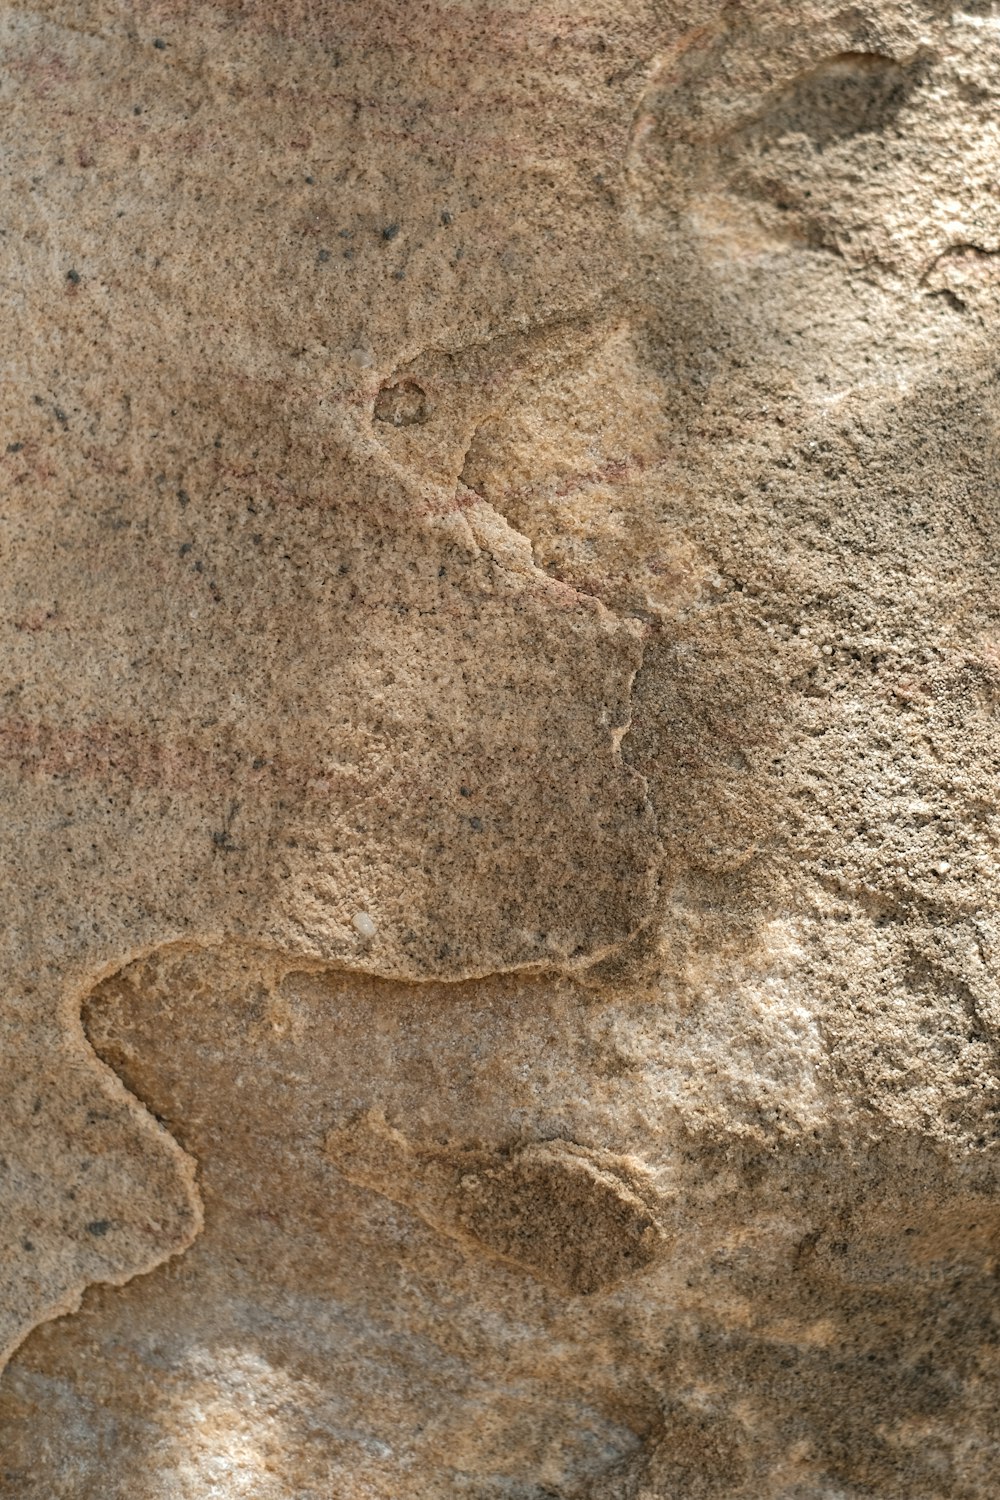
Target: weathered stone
[[499, 739]]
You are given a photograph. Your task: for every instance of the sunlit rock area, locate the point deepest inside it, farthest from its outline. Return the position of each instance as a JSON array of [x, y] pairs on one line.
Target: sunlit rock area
[[500, 747]]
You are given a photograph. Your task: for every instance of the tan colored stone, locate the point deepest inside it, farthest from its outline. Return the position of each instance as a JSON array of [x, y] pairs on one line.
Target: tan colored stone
[[501, 663]]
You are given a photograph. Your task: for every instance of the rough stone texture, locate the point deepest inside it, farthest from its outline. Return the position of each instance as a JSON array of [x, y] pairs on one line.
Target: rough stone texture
[[499, 735]]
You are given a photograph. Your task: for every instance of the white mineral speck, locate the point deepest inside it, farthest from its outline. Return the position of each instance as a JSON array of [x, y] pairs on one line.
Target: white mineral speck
[[364, 924]]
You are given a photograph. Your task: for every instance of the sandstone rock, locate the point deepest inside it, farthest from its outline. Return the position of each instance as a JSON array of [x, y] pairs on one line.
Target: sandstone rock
[[568, 1215], [501, 665]]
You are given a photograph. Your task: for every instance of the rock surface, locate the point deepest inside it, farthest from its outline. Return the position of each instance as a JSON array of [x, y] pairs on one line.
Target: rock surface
[[501, 669]]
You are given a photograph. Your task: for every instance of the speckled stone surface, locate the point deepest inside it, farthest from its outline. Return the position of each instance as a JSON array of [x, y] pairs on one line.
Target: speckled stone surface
[[501, 662]]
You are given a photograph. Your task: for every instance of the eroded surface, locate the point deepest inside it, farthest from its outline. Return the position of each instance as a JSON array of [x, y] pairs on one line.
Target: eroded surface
[[813, 1313], [500, 638]]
